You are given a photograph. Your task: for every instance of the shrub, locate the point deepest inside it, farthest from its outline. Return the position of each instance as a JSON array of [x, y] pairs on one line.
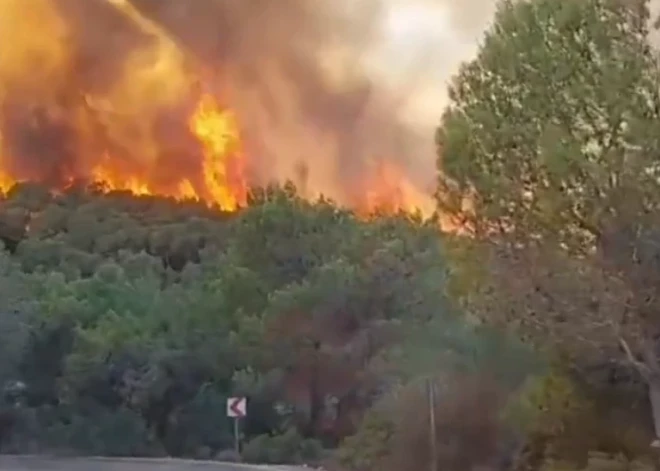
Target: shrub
[[370, 444], [105, 433], [468, 430], [554, 417], [200, 427], [286, 448]]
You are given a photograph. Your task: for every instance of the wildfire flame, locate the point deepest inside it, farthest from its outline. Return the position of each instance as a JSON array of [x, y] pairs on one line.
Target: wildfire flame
[[223, 165], [223, 168], [150, 128], [387, 190]]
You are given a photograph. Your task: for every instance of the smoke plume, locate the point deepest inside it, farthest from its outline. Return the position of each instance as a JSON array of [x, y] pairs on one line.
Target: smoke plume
[[324, 92]]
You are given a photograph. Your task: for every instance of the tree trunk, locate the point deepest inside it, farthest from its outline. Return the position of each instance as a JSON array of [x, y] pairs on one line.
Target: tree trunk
[[654, 399], [315, 395], [652, 366]]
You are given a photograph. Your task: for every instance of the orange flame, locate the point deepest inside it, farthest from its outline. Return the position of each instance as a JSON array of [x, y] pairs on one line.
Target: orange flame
[[389, 191], [223, 165], [223, 169], [111, 132]]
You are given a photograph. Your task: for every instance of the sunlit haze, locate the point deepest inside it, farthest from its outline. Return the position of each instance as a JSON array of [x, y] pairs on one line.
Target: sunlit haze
[[420, 48]]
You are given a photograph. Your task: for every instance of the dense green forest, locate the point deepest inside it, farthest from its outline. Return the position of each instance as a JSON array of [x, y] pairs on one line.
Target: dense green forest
[[128, 320]]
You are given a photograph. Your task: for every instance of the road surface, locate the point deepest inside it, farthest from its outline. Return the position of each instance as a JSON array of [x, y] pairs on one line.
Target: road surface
[[11, 463]]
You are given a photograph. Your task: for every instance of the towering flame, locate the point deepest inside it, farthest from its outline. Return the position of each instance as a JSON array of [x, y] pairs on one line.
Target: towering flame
[[223, 166], [95, 90]]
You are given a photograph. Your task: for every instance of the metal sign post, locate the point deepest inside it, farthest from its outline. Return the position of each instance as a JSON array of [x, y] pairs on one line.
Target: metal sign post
[[237, 436], [237, 409]]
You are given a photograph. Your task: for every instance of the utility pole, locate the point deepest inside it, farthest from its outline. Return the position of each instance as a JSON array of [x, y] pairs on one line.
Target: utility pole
[[433, 442]]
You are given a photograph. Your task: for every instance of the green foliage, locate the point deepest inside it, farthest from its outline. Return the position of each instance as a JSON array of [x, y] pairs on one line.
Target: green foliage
[[552, 136], [547, 405], [110, 433], [453, 346], [555, 120], [367, 448], [471, 367], [130, 320], [202, 422], [287, 447], [395, 434]]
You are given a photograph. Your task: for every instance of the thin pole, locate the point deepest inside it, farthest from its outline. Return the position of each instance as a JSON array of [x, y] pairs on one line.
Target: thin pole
[[237, 442], [432, 430]]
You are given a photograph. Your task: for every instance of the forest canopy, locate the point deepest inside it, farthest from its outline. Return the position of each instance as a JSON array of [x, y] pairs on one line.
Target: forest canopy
[[128, 320]]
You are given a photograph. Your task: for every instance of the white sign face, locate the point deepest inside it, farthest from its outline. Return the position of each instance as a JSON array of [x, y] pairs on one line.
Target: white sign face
[[236, 407]]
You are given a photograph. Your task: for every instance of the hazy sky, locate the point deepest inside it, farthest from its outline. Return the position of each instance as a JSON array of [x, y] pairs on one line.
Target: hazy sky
[[427, 40]]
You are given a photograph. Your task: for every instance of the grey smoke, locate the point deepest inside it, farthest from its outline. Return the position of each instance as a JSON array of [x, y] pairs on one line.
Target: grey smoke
[[323, 89], [319, 84]]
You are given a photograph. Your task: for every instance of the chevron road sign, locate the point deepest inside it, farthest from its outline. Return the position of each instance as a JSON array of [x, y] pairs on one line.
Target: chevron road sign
[[236, 407]]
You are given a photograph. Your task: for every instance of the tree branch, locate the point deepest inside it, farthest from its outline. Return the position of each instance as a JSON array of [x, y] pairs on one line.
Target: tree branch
[[643, 369]]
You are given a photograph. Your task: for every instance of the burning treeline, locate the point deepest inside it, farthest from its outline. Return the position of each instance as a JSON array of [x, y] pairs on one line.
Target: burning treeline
[[197, 100]]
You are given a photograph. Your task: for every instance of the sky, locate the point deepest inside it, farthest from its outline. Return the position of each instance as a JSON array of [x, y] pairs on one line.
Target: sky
[[427, 39]]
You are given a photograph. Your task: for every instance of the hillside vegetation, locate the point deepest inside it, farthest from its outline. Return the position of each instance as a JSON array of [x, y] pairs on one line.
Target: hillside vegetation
[[126, 321]]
